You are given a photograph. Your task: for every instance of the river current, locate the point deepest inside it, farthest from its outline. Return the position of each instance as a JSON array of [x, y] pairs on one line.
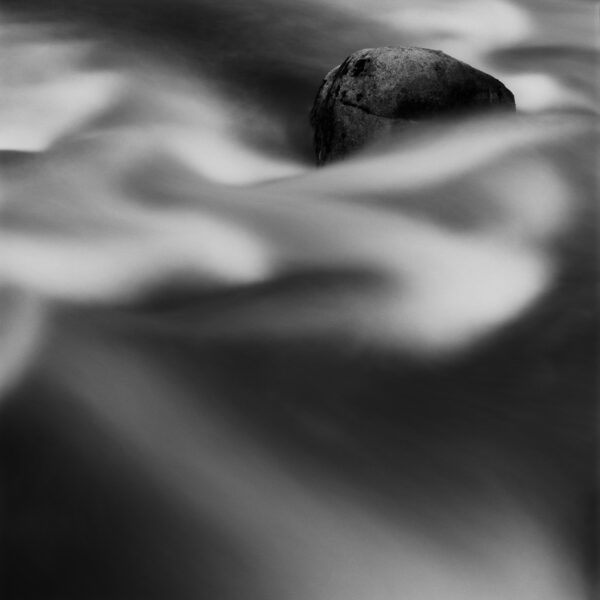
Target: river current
[[226, 373]]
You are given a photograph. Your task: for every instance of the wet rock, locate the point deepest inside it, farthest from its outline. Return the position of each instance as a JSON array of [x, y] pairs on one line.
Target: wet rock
[[377, 91]]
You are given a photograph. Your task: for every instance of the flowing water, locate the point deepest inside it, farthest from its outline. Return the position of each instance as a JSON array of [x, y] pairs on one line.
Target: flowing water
[[227, 374]]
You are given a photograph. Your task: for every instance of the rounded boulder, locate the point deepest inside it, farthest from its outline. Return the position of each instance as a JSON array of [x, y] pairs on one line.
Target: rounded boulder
[[378, 91]]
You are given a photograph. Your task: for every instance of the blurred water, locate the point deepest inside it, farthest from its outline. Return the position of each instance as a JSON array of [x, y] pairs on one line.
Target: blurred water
[[225, 373]]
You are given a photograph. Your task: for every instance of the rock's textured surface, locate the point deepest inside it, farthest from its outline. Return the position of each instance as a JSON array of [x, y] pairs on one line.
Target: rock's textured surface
[[378, 90]]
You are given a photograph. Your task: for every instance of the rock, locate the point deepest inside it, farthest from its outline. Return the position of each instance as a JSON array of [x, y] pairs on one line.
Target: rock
[[377, 91]]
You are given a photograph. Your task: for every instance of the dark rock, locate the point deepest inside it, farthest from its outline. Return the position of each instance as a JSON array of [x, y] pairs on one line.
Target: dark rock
[[379, 90]]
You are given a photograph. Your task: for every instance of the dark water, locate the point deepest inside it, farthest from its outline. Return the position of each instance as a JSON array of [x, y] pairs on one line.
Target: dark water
[[227, 374]]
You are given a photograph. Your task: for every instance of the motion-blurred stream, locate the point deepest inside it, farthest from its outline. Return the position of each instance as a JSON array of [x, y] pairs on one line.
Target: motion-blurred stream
[[227, 374]]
